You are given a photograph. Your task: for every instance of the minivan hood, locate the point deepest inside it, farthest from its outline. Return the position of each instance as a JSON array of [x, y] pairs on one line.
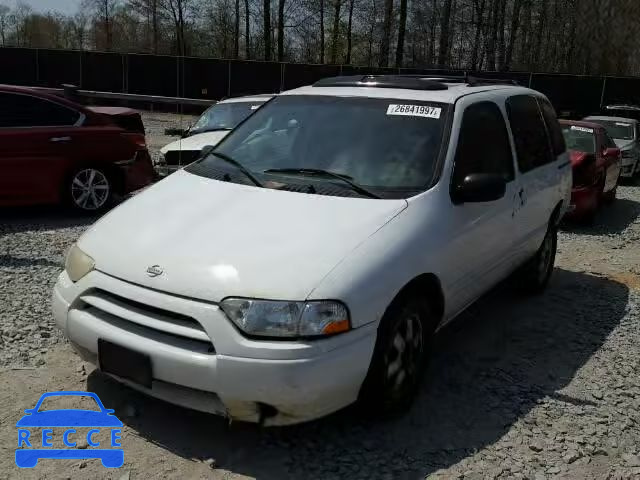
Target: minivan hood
[[216, 239], [196, 142]]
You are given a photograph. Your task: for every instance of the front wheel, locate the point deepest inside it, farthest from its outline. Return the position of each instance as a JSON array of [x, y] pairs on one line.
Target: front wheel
[[536, 273], [89, 190], [399, 356]]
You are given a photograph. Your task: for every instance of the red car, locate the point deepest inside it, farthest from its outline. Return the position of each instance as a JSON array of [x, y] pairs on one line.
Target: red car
[[596, 164], [53, 150]]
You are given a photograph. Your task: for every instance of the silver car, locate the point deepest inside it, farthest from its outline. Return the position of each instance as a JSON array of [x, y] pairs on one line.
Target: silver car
[[626, 134]]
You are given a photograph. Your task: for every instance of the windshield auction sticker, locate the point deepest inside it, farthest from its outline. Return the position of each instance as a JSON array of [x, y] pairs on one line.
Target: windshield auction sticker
[[414, 111], [47, 431], [582, 129]]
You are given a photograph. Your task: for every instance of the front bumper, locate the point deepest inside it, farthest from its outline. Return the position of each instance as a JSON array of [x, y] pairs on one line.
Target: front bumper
[[629, 167], [229, 374]]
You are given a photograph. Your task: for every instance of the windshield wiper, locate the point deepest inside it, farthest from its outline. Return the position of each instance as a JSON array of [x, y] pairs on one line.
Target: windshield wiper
[[237, 164], [327, 174]]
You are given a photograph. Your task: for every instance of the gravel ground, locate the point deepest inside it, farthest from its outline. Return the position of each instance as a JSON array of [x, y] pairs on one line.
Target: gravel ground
[[536, 388]]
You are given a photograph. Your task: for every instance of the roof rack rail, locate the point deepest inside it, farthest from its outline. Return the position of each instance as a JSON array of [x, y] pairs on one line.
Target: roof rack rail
[[410, 81]]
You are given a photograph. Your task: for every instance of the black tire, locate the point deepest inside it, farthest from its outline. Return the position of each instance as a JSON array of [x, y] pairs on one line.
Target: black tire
[[395, 371], [610, 196], [89, 190], [535, 275]]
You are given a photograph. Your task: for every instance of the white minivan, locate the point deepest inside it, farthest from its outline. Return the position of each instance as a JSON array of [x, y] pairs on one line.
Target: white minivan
[[306, 261]]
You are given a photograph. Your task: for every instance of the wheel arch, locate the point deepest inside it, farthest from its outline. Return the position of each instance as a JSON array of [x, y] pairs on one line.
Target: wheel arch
[[427, 285], [555, 215]]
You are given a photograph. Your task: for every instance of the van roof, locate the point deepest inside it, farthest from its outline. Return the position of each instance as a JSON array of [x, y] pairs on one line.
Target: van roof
[[411, 87]]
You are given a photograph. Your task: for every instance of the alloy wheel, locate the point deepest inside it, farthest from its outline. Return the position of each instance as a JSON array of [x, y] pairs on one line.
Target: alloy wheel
[[90, 189], [404, 356]]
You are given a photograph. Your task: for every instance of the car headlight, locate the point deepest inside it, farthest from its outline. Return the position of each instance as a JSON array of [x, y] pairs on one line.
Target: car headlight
[[78, 263], [267, 318]]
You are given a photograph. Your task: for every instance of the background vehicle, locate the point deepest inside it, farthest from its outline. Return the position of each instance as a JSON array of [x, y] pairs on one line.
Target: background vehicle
[[595, 161], [626, 135], [212, 126], [357, 221], [54, 150]]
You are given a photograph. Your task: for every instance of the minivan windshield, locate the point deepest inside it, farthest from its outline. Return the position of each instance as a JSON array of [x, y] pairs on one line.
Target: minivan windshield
[[617, 129], [224, 116], [387, 146]]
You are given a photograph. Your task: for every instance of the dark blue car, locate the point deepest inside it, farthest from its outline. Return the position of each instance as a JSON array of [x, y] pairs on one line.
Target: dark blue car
[[69, 418]]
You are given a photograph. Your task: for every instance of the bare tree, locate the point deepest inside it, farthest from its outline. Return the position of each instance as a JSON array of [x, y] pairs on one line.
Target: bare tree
[[247, 36], [321, 31], [385, 42], [267, 29], [336, 31], [104, 11], [402, 25], [281, 30], [236, 32], [178, 11], [444, 34], [349, 31], [4, 23]]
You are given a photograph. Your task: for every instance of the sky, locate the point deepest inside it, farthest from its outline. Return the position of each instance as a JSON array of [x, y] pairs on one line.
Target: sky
[[63, 6]]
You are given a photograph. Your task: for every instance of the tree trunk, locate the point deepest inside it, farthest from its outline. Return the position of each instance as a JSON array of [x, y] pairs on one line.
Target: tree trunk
[[348, 59], [383, 61], [321, 31], [281, 30], [502, 53], [107, 25], [236, 32], [492, 37], [539, 31], [267, 30], [513, 35], [247, 40], [431, 52], [402, 25], [480, 5], [336, 29], [444, 34]]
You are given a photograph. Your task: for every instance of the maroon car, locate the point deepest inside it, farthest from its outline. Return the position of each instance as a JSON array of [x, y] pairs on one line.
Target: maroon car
[[596, 165], [53, 150]]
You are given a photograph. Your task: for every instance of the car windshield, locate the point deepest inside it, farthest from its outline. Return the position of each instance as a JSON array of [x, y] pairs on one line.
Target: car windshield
[[224, 116], [66, 402], [385, 145], [579, 138], [616, 129]]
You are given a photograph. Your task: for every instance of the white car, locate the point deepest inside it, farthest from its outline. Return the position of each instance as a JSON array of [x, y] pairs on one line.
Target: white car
[[307, 260], [212, 126], [626, 134]]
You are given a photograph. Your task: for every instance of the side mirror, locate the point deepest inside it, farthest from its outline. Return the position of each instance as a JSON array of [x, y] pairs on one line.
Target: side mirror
[[612, 152], [480, 188]]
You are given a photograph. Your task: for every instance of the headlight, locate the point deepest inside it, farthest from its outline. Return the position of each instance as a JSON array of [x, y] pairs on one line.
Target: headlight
[[266, 318], [78, 263]]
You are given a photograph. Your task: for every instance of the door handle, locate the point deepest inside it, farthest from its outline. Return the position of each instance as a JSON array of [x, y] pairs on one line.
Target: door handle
[[60, 139]]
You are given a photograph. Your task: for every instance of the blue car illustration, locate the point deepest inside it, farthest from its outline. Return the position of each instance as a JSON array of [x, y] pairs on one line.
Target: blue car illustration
[[68, 418]]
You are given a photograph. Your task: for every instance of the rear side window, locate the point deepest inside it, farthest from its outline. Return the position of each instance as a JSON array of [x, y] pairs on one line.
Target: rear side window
[[533, 146], [483, 145], [553, 127], [17, 110]]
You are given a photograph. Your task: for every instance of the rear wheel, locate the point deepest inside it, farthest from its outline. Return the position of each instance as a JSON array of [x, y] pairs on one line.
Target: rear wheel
[[399, 357], [89, 190], [536, 273]]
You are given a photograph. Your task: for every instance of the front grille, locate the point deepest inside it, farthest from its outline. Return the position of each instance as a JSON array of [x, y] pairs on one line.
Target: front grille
[[181, 157], [139, 317]]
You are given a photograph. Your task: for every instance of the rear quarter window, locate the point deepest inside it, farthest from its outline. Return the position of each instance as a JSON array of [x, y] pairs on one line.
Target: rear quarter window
[[533, 145], [553, 127]]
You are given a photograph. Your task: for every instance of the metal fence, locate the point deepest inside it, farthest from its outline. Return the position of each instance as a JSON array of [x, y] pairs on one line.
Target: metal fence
[[212, 79]]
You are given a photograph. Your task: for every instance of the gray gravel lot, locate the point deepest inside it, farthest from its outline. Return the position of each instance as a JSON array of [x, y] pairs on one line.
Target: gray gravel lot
[[536, 388]]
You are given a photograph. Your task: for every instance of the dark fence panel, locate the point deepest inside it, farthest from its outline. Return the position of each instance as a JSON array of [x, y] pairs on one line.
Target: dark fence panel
[[579, 96], [248, 78], [298, 75], [214, 79], [19, 66], [103, 72], [57, 67], [622, 90], [204, 78], [153, 75]]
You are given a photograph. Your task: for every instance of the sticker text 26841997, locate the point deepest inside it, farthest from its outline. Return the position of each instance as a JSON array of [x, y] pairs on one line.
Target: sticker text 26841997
[[414, 111]]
